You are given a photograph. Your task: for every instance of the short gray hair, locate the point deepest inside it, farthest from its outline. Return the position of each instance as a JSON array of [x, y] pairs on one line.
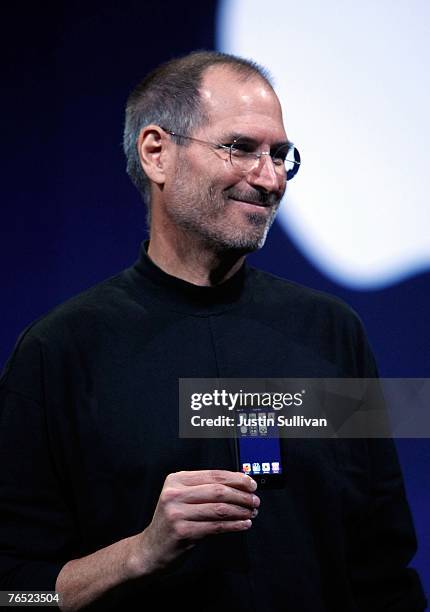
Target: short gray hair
[[169, 96]]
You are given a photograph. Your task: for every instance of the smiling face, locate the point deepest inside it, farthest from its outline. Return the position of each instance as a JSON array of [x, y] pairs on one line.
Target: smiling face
[[208, 199]]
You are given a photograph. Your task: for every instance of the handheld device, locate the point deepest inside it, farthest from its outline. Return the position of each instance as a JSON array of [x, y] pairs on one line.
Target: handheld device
[[258, 448]]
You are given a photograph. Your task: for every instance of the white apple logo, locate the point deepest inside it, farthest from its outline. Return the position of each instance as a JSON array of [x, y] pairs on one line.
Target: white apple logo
[[354, 81]]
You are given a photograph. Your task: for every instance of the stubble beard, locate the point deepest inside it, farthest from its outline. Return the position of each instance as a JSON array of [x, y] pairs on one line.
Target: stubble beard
[[199, 210]]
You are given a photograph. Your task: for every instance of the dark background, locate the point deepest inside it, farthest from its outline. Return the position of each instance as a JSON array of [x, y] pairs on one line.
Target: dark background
[[71, 217]]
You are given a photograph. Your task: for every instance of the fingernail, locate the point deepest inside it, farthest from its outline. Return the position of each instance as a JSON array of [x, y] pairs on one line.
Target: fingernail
[[255, 501], [253, 483], [254, 513]]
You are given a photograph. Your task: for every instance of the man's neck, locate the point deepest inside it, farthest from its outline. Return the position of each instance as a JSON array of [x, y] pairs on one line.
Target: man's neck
[[193, 263]]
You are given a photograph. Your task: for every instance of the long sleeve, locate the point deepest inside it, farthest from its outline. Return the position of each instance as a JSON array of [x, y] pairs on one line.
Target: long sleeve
[[384, 544], [36, 526]]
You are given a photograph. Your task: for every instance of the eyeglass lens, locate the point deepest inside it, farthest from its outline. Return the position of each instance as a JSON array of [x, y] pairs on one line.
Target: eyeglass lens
[[244, 159]]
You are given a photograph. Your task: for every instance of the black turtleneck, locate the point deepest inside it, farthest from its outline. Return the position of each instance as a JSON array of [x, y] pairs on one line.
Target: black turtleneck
[[187, 297], [89, 431]]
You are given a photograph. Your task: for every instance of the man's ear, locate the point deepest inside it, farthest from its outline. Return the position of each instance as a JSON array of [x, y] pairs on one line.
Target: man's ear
[[151, 147]]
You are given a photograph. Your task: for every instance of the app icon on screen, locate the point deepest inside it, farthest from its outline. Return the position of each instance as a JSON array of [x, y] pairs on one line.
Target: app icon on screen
[[246, 467], [256, 467], [266, 467], [275, 467]]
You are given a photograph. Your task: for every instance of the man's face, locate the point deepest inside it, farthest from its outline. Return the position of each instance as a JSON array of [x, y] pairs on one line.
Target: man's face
[[208, 198]]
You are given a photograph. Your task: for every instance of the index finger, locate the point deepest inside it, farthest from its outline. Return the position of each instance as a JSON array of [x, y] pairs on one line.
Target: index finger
[[236, 480]]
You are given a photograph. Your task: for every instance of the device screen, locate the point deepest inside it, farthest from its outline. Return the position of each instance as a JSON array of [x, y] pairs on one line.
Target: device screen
[[259, 448], [260, 456]]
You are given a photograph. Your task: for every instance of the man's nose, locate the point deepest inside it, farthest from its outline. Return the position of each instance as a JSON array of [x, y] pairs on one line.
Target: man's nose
[[264, 175]]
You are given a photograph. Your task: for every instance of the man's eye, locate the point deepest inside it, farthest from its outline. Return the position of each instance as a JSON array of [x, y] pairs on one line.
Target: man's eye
[[279, 158], [280, 155], [239, 148]]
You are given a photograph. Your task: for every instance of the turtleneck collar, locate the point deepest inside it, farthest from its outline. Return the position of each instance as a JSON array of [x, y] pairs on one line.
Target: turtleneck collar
[[180, 295]]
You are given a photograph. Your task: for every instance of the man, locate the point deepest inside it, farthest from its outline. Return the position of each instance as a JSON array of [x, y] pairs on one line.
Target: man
[[100, 498]]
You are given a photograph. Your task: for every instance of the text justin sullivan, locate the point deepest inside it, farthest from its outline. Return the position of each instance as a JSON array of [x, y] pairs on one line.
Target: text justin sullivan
[[280, 421]]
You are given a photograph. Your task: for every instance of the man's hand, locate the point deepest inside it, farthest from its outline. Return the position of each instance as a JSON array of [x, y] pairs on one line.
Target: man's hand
[[193, 505]]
